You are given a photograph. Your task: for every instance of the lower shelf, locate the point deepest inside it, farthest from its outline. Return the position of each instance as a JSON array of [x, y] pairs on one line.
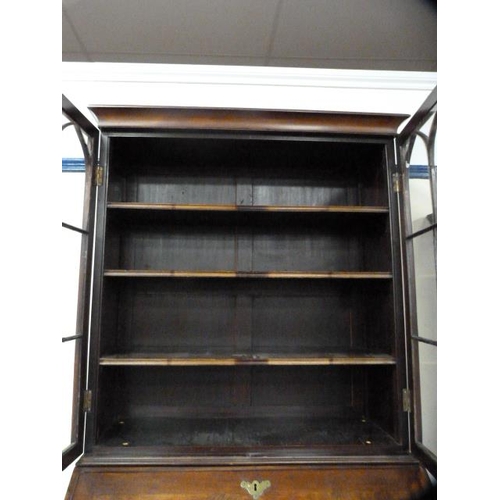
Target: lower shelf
[[246, 433]]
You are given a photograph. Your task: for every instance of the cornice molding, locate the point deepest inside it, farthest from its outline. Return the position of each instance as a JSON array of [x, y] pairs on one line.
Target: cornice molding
[[152, 118]]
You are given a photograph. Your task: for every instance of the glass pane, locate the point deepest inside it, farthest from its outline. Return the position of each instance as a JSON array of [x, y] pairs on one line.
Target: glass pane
[[75, 198], [70, 249], [420, 201], [428, 394], [72, 198], [68, 430], [421, 198], [422, 250], [425, 285], [73, 177]]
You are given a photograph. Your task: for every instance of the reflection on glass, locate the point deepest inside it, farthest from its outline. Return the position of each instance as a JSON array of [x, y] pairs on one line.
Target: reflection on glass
[[421, 203], [421, 161], [75, 157], [72, 198], [67, 379], [71, 242], [428, 392], [422, 175], [425, 285], [73, 177]]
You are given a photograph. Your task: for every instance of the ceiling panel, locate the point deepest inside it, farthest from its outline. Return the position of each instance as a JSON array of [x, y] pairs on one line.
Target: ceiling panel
[[188, 27], [357, 32], [70, 41], [166, 58], [338, 34], [382, 64]]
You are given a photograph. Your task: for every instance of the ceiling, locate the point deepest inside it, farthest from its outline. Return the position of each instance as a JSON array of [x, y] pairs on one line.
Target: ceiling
[[396, 35]]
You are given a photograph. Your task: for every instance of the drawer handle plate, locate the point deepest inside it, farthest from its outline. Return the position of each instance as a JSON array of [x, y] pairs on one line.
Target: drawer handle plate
[[255, 489]]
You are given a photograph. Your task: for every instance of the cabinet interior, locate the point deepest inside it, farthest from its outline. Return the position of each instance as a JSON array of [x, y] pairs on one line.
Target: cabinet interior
[[247, 295]]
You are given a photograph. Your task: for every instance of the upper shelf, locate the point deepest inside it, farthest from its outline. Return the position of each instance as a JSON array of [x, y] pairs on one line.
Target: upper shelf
[[165, 273], [289, 359], [351, 209]]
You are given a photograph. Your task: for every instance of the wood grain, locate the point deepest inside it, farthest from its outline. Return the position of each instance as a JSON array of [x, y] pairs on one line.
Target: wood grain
[[165, 273], [247, 208], [172, 359], [161, 118], [372, 482]]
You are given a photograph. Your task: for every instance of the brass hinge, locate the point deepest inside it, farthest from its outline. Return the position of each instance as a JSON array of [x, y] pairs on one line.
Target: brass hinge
[[99, 175], [87, 401], [396, 182], [407, 400]]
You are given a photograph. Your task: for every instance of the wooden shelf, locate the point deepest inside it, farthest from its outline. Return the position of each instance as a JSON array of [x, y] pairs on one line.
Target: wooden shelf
[[193, 359], [351, 209], [163, 273]]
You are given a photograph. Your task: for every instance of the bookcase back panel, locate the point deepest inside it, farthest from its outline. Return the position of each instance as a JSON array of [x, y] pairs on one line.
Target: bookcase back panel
[[236, 316], [247, 172], [249, 406], [249, 387], [214, 246]]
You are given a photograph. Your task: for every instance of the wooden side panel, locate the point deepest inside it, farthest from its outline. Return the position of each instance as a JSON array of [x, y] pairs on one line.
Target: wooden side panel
[[353, 482]]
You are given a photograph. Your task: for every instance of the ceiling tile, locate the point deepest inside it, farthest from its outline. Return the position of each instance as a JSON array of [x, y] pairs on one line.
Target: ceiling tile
[[190, 27], [70, 41], [384, 30], [173, 59], [373, 64], [75, 56]]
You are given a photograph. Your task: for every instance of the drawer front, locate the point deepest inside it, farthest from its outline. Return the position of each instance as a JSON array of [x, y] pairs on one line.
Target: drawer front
[[384, 482]]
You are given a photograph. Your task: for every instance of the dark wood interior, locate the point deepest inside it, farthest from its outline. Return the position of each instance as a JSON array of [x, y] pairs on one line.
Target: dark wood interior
[[242, 408], [242, 171], [247, 296], [242, 317], [186, 240]]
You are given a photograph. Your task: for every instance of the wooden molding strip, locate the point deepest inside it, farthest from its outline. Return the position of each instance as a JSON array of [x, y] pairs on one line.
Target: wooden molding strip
[[166, 118], [215, 360], [163, 273], [246, 208]]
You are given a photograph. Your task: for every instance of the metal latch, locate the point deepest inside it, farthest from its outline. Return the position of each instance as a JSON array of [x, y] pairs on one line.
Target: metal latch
[[396, 182], [87, 401], [407, 400], [99, 175]]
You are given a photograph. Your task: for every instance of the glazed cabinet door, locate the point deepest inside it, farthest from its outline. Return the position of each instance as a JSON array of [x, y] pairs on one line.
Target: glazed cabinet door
[[418, 194], [79, 153]]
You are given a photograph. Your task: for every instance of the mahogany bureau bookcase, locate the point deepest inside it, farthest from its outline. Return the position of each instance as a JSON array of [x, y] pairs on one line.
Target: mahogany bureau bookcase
[[248, 335]]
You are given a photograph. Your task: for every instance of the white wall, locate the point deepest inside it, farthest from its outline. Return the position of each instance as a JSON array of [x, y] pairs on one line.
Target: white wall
[[238, 87]]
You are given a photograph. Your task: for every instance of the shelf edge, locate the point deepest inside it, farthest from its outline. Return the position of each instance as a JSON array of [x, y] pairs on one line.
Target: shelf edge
[[249, 361], [145, 273], [354, 209]]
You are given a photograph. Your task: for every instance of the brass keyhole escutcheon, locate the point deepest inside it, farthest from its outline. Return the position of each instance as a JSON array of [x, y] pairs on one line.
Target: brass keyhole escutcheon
[[255, 489]]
